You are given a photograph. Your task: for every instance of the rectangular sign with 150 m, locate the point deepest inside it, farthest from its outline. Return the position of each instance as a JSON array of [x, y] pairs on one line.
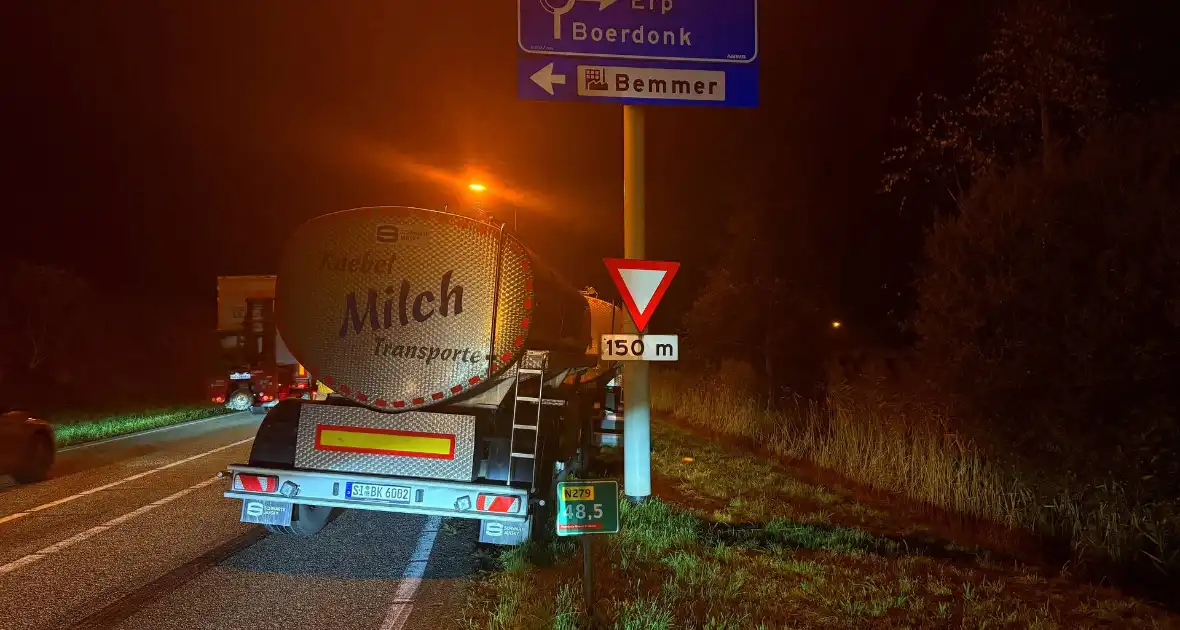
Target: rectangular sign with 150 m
[[640, 348]]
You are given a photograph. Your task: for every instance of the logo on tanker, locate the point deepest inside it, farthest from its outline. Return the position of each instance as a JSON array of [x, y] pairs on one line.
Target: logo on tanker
[[398, 307], [387, 234]]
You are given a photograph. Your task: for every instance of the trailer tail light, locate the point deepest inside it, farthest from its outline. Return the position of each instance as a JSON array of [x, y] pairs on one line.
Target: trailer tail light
[[219, 399], [256, 483], [264, 398], [301, 385], [497, 503], [282, 395]]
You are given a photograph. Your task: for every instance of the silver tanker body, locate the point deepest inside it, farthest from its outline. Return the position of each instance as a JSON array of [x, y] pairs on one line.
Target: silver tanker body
[[465, 373]]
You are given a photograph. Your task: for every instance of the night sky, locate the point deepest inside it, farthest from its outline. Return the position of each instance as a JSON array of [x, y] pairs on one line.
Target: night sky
[[153, 146]]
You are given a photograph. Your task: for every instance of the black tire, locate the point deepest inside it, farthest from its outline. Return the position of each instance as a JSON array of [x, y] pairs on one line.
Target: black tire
[[274, 447], [306, 521], [40, 454], [542, 525]]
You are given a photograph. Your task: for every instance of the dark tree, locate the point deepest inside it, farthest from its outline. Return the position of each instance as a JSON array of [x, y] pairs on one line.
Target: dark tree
[[1039, 85]]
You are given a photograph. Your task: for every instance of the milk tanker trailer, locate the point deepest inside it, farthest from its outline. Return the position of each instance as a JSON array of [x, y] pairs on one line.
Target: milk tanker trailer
[[465, 375]]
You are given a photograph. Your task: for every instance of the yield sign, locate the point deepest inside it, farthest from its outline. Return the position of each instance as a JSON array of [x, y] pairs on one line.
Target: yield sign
[[642, 284]]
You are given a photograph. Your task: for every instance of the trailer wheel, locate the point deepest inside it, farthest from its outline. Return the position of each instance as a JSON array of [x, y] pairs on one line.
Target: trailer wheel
[[542, 524], [306, 521]]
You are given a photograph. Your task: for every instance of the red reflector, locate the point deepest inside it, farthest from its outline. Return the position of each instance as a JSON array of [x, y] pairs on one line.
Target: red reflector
[[265, 398], [256, 483], [494, 503]]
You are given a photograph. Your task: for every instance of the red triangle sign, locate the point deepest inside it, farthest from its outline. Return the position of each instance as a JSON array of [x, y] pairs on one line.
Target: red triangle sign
[[642, 284]]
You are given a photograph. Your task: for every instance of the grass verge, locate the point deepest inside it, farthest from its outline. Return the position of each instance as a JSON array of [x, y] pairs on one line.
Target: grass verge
[[75, 429], [733, 541], [912, 451]]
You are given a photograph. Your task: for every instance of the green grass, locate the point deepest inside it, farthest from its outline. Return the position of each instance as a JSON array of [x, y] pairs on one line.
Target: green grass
[[686, 560], [75, 429]]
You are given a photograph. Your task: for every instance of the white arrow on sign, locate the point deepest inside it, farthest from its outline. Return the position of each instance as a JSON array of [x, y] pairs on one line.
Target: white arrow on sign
[[546, 79], [566, 8]]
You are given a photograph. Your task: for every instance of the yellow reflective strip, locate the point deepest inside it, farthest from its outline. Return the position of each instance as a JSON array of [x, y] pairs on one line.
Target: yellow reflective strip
[[385, 442]]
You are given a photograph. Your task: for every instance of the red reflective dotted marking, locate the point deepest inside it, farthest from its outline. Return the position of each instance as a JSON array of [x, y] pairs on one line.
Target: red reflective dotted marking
[[362, 397], [380, 402], [518, 342], [528, 304], [399, 403], [524, 323], [419, 401], [437, 395], [344, 389], [474, 379]]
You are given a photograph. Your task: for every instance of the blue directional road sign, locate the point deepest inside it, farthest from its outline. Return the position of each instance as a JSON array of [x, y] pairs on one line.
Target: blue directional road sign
[[656, 52], [636, 82]]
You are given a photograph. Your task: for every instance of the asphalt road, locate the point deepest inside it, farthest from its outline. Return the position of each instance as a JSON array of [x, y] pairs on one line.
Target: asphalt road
[[134, 534]]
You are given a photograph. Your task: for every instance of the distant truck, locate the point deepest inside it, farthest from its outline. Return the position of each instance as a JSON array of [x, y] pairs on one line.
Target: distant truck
[[465, 377], [256, 370]]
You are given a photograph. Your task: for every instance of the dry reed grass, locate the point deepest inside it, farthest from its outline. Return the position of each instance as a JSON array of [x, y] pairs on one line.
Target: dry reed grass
[[907, 447]]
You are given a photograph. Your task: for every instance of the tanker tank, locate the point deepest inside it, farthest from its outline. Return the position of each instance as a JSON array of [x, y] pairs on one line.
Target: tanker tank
[[402, 308]]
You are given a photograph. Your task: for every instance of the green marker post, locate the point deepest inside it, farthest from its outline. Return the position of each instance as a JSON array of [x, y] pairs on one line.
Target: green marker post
[[584, 508]]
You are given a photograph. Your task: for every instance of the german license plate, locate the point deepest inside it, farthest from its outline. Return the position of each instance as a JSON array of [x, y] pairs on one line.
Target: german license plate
[[377, 492]]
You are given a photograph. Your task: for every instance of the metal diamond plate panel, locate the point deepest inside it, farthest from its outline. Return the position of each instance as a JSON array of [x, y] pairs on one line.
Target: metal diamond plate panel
[[309, 455], [605, 319], [393, 306], [514, 313]]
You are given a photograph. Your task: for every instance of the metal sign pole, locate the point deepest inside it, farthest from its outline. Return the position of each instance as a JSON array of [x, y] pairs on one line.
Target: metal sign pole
[[636, 387], [588, 575]]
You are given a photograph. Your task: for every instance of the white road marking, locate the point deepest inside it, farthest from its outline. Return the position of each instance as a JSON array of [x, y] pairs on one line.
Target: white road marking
[[149, 431], [46, 506], [403, 600], [94, 531]]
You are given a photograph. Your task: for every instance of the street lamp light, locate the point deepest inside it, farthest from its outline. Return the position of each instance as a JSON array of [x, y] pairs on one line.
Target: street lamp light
[[837, 324], [479, 189]]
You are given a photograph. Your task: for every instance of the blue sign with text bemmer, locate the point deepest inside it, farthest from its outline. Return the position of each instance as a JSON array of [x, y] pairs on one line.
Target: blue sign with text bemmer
[[668, 52]]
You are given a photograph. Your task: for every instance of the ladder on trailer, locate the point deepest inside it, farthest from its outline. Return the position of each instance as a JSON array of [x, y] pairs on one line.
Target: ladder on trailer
[[532, 366]]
